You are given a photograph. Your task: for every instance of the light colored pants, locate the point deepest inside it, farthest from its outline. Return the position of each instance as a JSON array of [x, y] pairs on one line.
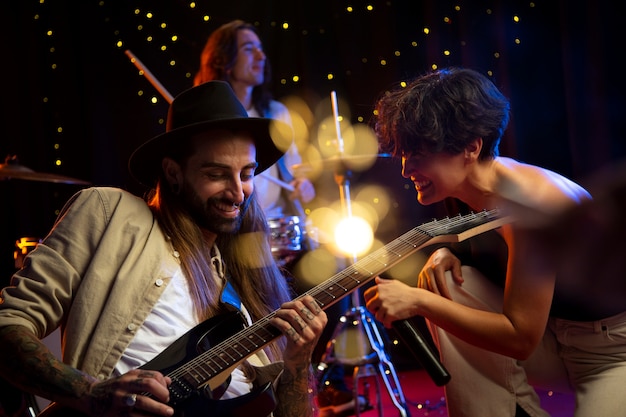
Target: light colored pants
[[590, 356], [594, 354]]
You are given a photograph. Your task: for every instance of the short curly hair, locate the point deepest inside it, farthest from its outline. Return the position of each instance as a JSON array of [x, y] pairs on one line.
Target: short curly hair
[[442, 111]]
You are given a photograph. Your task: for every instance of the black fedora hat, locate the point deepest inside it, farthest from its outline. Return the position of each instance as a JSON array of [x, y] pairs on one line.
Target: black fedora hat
[[209, 106]]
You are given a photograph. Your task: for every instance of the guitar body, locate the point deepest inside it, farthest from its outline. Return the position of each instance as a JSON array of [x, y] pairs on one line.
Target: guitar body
[[197, 340], [202, 401]]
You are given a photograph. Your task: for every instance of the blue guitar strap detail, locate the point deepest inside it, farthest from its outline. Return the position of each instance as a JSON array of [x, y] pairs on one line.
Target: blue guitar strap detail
[[230, 297]]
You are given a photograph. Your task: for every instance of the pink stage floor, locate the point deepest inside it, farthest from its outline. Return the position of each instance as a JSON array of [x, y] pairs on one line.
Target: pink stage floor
[[424, 398]]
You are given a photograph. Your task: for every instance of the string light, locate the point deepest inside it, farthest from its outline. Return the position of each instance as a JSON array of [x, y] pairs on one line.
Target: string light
[[430, 41], [204, 15]]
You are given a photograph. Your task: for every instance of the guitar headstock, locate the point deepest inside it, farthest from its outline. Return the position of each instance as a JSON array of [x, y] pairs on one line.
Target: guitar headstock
[[465, 225]]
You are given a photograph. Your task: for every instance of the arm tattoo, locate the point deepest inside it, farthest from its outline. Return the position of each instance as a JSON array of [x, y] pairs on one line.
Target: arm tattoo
[[295, 393], [31, 366]]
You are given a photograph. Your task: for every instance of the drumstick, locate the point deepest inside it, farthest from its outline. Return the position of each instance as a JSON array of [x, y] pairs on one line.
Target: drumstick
[[149, 76], [335, 106], [275, 180]]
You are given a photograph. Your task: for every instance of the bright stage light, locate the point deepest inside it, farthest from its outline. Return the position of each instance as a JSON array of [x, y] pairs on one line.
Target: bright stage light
[[354, 236]]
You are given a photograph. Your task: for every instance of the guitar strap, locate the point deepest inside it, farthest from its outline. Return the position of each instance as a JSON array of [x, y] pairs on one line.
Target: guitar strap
[[229, 297]]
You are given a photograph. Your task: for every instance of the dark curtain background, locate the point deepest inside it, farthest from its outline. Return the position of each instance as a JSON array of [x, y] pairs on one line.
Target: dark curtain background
[[74, 105]]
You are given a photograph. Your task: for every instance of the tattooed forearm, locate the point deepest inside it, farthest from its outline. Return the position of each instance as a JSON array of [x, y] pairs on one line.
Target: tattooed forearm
[[295, 392], [30, 365]]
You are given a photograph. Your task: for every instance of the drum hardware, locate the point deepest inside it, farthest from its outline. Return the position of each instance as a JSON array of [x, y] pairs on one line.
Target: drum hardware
[[23, 247], [286, 239], [357, 323], [11, 169]]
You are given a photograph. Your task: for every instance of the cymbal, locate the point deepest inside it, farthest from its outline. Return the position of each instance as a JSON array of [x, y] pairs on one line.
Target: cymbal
[[13, 170], [355, 162]]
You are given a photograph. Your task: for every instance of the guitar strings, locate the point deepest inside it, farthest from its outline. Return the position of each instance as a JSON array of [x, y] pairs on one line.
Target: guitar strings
[[225, 355]]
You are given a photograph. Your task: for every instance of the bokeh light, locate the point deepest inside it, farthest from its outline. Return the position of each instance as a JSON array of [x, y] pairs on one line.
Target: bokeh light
[[354, 236]]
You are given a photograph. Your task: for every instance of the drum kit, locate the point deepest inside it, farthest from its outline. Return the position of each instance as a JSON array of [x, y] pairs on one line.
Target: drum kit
[[286, 239], [14, 402], [12, 170]]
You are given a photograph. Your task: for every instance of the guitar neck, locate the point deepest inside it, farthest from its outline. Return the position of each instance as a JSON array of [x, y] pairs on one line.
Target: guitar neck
[[449, 230], [237, 348]]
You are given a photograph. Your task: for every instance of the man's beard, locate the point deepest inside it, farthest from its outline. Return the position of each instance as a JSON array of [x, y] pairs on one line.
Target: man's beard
[[205, 214]]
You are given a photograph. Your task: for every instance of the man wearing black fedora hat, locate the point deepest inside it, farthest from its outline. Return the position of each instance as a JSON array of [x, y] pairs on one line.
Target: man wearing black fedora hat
[[172, 305]]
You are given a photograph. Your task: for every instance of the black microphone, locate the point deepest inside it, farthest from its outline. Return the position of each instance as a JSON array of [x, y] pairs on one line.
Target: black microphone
[[422, 351]]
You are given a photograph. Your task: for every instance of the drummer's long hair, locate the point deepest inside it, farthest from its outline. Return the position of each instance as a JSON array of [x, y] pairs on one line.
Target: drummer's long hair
[[218, 58], [246, 254]]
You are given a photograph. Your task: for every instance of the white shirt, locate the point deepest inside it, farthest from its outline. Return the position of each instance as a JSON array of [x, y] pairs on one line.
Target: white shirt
[[171, 317], [269, 193]]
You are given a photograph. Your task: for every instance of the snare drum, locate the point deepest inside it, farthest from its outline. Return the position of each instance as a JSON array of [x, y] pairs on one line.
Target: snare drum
[[286, 238]]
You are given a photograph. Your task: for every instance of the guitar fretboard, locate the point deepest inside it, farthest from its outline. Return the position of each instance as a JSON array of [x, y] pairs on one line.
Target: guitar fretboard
[[235, 349]]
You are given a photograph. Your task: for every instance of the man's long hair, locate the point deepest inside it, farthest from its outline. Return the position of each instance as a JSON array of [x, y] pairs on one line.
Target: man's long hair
[[218, 58], [246, 255]]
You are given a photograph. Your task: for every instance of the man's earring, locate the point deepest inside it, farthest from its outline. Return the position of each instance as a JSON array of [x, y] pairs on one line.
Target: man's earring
[[175, 188]]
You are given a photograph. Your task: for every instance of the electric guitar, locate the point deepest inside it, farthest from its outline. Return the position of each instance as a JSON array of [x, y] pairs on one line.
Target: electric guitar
[[201, 361]]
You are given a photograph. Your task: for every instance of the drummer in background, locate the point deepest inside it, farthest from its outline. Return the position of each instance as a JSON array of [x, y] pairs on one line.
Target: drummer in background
[[234, 53]]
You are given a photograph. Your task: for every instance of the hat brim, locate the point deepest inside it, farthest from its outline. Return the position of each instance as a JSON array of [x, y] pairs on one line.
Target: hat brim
[[145, 162]]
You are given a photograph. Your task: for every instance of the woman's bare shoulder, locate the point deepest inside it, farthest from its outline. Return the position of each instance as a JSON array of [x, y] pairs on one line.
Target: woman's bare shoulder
[[537, 187]]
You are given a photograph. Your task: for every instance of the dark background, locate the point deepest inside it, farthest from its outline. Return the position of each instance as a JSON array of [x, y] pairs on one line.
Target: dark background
[[71, 95]]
